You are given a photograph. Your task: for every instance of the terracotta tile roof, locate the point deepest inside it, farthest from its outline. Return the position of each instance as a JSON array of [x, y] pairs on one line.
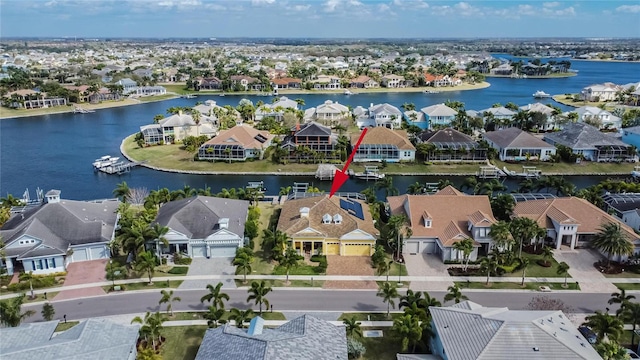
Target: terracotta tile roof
[[569, 210], [479, 217], [448, 190], [383, 135], [286, 81], [360, 79], [291, 222], [242, 135], [444, 207]]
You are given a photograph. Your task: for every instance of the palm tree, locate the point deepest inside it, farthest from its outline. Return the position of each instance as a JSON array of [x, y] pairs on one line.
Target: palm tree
[[501, 235], [611, 240], [409, 329], [471, 183], [631, 315], [121, 191], [605, 325], [386, 183], [28, 276], [622, 299], [489, 265], [195, 115], [547, 254], [240, 317], [168, 298], [11, 314], [611, 351], [454, 294], [290, 259], [383, 267], [490, 187], [258, 292], [563, 269], [416, 188], [146, 262], [411, 298], [524, 262], [243, 262], [215, 296], [466, 247], [214, 316], [352, 326], [48, 311], [388, 292], [524, 229], [151, 325]]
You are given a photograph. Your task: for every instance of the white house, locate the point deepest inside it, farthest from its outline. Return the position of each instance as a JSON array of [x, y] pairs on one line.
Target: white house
[[600, 92], [385, 115], [439, 115], [595, 116]]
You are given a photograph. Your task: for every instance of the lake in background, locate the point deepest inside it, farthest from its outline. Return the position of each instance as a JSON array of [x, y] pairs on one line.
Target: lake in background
[[56, 151]]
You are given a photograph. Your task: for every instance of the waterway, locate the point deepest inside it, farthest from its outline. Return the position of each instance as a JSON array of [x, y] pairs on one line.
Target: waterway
[[56, 151]]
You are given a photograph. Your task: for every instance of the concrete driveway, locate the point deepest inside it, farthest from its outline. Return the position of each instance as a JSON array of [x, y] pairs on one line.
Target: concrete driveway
[[212, 266], [582, 270], [429, 266], [84, 272]]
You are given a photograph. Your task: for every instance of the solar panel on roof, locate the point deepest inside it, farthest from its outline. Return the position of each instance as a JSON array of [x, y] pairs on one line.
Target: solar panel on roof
[[352, 207]]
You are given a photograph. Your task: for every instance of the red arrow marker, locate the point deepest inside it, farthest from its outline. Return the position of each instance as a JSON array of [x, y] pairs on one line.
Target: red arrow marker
[[341, 176]]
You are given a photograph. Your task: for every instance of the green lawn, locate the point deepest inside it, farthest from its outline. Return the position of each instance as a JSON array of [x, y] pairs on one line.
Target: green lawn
[[370, 316], [38, 297], [535, 270], [260, 263], [384, 348], [145, 285], [511, 285], [156, 98], [281, 283], [182, 342], [62, 326], [628, 286]]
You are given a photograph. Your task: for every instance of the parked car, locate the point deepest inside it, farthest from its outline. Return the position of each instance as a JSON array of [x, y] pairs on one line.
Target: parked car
[[632, 354], [588, 334]]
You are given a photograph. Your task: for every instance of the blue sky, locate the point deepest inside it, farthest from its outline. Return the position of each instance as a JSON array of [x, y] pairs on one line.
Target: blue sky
[[319, 18]]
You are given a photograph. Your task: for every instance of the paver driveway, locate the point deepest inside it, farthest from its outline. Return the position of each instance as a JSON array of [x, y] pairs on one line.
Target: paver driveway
[[429, 266], [349, 265], [582, 270], [212, 266], [84, 272]]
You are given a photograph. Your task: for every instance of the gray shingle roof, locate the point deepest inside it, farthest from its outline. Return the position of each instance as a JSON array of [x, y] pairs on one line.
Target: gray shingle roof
[[515, 138], [313, 129], [448, 135], [197, 217], [582, 136], [470, 331], [303, 338], [92, 339]]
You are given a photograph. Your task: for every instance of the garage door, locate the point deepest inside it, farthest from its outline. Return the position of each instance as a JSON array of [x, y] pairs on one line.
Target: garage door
[[357, 250], [80, 255], [223, 251], [411, 247], [199, 251], [429, 248], [333, 249], [98, 253]]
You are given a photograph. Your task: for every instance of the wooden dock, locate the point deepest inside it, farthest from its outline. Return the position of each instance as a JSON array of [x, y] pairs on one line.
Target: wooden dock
[[119, 168]]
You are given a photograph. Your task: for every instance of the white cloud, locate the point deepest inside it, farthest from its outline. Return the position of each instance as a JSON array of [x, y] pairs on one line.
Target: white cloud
[[384, 8], [301, 7], [570, 11], [466, 9], [262, 2], [551, 4], [410, 4], [628, 8], [526, 10], [331, 5]]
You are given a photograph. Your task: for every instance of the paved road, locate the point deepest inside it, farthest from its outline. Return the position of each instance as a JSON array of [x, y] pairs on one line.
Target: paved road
[[300, 300]]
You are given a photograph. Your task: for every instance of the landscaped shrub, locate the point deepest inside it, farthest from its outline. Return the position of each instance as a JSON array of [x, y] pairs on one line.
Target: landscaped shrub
[[38, 282], [178, 259], [322, 263], [355, 349], [178, 270]]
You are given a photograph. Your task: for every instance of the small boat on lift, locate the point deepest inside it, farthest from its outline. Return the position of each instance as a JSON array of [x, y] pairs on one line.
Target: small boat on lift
[[348, 92], [541, 95]]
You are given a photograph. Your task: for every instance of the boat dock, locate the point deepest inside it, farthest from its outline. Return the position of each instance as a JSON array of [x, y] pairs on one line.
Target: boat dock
[[326, 172], [490, 172], [79, 110], [119, 168]]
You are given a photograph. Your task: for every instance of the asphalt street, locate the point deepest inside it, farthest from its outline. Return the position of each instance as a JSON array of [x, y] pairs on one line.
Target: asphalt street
[[297, 300]]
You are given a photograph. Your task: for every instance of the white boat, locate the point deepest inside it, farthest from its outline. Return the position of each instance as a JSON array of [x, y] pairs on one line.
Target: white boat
[[541, 95], [636, 172], [347, 92], [189, 96], [370, 173], [105, 161], [527, 172], [431, 92], [79, 110]]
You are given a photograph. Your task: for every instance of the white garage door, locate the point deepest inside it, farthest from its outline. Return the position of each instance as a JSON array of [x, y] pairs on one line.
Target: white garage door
[[223, 251], [80, 255], [199, 251], [98, 253], [429, 248], [411, 247]]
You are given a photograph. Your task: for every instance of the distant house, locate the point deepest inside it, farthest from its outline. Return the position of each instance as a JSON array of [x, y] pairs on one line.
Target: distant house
[[500, 117], [514, 144], [203, 226], [631, 136], [208, 83], [31, 99], [327, 111], [571, 221], [502, 70], [548, 113], [595, 116], [439, 115], [44, 238], [211, 110], [312, 137], [440, 220], [437, 80], [245, 82], [326, 82], [450, 144], [385, 115], [591, 144], [276, 109], [469, 331], [91, 339], [177, 127], [149, 91], [304, 337], [625, 207], [239, 143], [600, 92], [363, 82], [381, 143], [328, 226], [393, 81], [286, 83], [128, 85], [416, 118]]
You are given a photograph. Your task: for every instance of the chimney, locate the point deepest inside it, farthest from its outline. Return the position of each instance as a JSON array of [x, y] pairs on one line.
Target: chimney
[[304, 212], [52, 196], [223, 223], [255, 326]]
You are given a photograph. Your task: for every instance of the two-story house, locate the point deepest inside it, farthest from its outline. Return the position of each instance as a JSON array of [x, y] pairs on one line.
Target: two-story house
[[393, 81], [602, 119], [551, 117], [177, 127], [385, 115], [128, 85], [326, 82], [382, 143], [244, 82], [440, 220], [439, 115], [599, 92], [327, 112], [275, 109], [311, 137]]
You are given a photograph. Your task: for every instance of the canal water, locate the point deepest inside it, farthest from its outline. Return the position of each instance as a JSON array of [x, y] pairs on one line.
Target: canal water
[[56, 151]]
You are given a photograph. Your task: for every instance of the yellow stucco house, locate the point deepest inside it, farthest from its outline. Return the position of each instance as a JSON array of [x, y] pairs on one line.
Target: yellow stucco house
[[329, 226]]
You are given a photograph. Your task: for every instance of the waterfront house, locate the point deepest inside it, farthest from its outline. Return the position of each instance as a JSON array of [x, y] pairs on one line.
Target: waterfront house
[[600, 92], [385, 115], [393, 81], [602, 119], [327, 112], [244, 82], [437, 80], [590, 144], [439, 115], [310, 138], [514, 144], [571, 221], [625, 207], [305, 337], [440, 220], [416, 118], [275, 109], [149, 91], [31, 99], [498, 117], [177, 127], [328, 226], [549, 114], [286, 83], [203, 226], [469, 331], [363, 82], [91, 339], [211, 109], [128, 85], [207, 83], [451, 145], [504, 69], [326, 82], [239, 143], [45, 237], [381, 143], [631, 136]]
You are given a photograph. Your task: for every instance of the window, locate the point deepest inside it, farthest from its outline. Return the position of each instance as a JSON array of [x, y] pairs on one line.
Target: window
[[427, 223], [52, 263], [483, 232], [326, 219]]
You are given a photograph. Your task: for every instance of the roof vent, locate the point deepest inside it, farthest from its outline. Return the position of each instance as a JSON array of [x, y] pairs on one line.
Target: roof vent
[[536, 349], [304, 212], [223, 223], [255, 326]]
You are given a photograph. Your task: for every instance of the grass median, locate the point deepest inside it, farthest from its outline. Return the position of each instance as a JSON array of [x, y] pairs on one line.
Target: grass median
[[515, 286]]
